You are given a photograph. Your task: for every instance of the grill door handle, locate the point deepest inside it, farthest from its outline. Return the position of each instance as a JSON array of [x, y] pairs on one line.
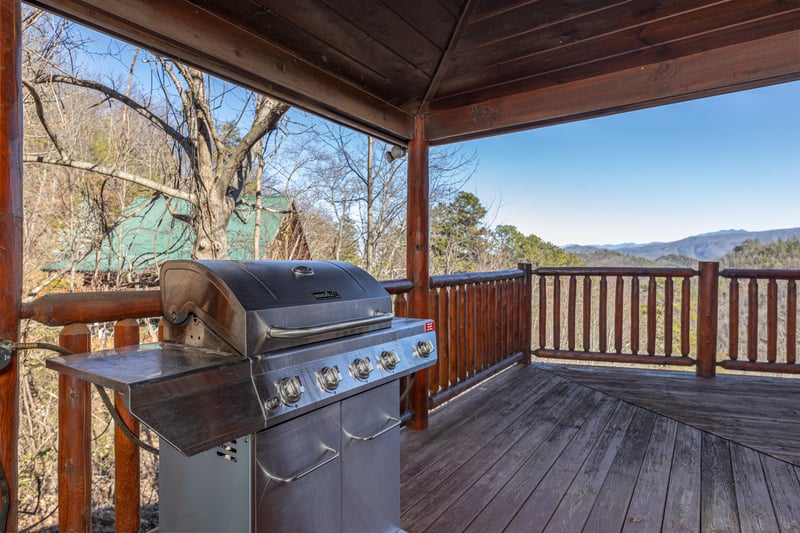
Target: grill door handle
[[328, 450], [277, 332], [395, 422]]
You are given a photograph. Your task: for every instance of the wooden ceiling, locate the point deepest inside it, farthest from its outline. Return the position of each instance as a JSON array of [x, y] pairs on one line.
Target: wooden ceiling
[[471, 68]]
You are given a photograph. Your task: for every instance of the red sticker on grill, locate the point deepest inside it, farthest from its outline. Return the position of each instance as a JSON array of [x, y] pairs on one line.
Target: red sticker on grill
[[428, 327]]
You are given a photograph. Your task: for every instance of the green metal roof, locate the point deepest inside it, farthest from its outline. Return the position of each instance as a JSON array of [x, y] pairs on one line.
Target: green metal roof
[[148, 234]]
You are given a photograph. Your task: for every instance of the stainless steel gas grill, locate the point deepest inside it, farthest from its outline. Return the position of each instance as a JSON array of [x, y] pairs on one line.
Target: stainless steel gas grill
[[275, 394]]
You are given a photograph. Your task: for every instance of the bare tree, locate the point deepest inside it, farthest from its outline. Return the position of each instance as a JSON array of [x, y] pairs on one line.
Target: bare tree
[[209, 128], [365, 188]]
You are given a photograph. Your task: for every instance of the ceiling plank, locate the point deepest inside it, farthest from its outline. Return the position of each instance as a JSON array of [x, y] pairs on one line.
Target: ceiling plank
[[226, 50], [444, 62], [658, 40], [742, 66]]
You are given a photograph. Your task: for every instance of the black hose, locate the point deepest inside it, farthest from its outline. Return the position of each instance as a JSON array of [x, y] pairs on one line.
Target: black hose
[[408, 387], [121, 424]]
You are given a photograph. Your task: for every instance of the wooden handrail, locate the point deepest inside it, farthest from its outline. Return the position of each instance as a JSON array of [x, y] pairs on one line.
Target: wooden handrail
[[659, 272], [750, 273], [465, 278], [90, 307]]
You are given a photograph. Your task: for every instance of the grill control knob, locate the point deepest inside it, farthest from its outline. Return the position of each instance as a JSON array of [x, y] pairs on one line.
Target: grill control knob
[[361, 368], [424, 349], [388, 359], [329, 378], [290, 389]]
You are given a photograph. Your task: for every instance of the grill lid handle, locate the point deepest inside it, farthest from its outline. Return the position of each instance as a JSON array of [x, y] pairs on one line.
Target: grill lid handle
[[276, 332]]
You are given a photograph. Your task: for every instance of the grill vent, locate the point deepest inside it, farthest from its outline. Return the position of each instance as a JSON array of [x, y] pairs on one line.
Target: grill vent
[[228, 451]]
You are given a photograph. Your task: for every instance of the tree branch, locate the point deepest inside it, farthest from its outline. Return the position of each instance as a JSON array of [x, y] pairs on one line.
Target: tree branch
[[37, 101], [113, 173], [116, 95], [268, 112]]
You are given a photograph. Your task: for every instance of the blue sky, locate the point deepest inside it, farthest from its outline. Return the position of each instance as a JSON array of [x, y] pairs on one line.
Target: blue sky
[[725, 162]]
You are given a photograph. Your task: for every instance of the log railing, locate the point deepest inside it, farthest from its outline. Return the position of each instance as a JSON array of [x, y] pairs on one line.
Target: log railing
[[736, 319], [474, 336], [761, 320], [601, 314], [483, 324]]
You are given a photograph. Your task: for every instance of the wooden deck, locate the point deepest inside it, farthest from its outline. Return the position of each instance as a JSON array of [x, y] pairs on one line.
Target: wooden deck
[[569, 448]]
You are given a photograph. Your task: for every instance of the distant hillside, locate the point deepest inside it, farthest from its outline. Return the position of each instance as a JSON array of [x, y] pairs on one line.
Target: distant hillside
[[600, 257], [781, 254], [705, 247]]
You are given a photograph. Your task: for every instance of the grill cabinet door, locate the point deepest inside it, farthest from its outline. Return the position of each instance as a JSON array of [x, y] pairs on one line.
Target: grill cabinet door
[[371, 468], [209, 491], [311, 502]]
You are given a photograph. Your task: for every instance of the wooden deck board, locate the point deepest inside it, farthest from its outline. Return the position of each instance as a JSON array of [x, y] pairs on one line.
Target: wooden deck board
[[682, 508], [538, 449], [505, 502], [481, 469], [757, 412], [543, 501], [718, 511], [653, 481], [611, 505], [752, 493]]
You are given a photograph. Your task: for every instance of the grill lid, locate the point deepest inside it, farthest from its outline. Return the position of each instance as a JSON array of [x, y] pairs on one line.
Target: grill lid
[[260, 306]]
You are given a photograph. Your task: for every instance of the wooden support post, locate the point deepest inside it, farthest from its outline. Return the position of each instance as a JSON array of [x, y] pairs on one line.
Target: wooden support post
[[417, 256], [707, 319], [126, 453], [10, 250], [526, 312], [74, 440]]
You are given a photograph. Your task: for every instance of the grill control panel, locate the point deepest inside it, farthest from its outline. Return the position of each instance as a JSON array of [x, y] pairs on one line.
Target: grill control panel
[[318, 374]]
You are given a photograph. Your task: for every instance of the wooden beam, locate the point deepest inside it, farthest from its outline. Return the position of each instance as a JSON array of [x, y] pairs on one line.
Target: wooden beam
[[743, 66], [417, 257], [10, 247], [184, 31]]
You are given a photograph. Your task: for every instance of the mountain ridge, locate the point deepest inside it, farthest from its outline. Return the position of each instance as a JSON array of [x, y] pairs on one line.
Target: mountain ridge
[[702, 247]]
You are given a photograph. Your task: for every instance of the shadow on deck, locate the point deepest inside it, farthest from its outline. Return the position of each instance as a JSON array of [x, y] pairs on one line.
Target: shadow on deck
[[571, 448]]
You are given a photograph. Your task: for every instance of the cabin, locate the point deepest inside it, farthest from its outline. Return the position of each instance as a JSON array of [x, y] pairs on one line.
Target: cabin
[[495, 439], [152, 230]]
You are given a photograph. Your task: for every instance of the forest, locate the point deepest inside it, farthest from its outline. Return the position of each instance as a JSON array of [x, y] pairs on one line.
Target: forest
[[107, 125]]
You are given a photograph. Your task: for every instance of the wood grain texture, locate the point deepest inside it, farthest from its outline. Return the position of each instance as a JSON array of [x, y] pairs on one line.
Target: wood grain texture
[[758, 412], [10, 243], [74, 440], [556, 448], [127, 489]]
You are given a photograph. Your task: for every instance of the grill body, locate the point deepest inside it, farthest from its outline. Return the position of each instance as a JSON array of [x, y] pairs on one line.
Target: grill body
[[275, 394]]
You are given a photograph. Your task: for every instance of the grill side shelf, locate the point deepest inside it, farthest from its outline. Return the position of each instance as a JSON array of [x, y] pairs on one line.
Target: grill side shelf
[[191, 397]]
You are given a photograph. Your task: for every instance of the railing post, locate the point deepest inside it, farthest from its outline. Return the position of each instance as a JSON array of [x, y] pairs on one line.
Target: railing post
[[74, 440], [526, 311], [417, 256], [10, 250], [707, 306], [126, 453]]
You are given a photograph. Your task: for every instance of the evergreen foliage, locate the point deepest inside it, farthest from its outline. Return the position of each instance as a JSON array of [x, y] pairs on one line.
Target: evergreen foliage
[[781, 254]]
